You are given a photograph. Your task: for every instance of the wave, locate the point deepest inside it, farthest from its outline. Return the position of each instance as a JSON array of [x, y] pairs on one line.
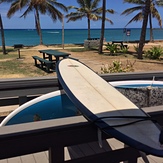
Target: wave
[[53, 32]]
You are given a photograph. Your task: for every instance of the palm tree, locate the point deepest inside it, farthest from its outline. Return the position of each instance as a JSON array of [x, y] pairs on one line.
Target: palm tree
[[144, 27], [2, 36], [140, 15], [88, 9], [102, 26], [37, 6]]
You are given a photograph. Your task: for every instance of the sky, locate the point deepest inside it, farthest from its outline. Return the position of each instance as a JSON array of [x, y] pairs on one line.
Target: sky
[[15, 22]]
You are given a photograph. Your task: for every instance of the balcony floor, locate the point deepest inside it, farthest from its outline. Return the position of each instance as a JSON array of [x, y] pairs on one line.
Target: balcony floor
[[77, 152]]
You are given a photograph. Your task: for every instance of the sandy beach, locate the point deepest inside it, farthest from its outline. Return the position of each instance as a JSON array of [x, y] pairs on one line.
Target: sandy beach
[[90, 58]]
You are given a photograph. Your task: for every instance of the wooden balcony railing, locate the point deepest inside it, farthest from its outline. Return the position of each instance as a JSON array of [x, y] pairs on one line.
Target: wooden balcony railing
[[18, 91], [54, 135]]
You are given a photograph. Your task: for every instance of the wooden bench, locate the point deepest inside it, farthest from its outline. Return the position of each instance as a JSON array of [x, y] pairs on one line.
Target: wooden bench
[[121, 44], [44, 63]]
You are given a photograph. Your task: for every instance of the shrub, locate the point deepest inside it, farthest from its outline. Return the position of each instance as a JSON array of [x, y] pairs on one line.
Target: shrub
[[154, 52], [116, 48], [118, 67], [113, 48], [124, 49], [136, 48]]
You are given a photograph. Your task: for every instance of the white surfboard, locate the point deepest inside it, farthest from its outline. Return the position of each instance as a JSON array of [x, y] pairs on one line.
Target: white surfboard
[[111, 111], [49, 106], [137, 84]]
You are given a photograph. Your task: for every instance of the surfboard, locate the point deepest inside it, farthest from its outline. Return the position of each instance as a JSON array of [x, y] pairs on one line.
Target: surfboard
[[137, 84], [108, 109], [49, 106]]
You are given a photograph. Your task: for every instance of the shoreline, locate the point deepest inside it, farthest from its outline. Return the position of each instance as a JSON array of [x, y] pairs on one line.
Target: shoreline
[[147, 42]]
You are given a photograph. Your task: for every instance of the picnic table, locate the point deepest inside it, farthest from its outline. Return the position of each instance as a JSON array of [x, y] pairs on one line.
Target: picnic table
[[121, 44], [47, 62], [50, 53]]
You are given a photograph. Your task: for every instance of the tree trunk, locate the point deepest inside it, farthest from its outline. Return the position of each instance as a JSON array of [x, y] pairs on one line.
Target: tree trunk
[[63, 37], [102, 26], [143, 31], [2, 36], [151, 28], [38, 26], [89, 29]]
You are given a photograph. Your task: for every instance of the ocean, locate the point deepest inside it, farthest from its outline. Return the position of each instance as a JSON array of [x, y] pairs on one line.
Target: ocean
[[29, 37]]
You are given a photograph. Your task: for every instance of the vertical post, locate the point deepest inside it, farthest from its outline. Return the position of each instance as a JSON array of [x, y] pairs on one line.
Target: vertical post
[[56, 155], [22, 100], [132, 159], [63, 31], [44, 55], [19, 53]]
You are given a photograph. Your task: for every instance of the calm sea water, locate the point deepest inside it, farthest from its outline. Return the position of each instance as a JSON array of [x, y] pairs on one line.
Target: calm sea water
[[29, 37]]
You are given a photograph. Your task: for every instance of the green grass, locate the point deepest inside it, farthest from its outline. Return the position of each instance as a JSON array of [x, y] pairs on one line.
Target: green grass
[[8, 56], [12, 67], [15, 66], [7, 50]]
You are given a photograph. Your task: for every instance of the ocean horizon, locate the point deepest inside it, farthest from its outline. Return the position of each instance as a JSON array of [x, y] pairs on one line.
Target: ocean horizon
[[29, 37]]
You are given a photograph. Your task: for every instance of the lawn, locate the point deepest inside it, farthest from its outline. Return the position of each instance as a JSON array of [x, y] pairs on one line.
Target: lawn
[[12, 67]]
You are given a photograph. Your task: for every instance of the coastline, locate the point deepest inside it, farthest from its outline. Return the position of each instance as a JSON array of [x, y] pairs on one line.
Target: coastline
[[81, 45]]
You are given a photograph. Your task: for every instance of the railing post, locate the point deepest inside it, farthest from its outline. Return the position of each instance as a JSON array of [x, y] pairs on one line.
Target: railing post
[[131, 159], [22, 100], [56, 154]]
